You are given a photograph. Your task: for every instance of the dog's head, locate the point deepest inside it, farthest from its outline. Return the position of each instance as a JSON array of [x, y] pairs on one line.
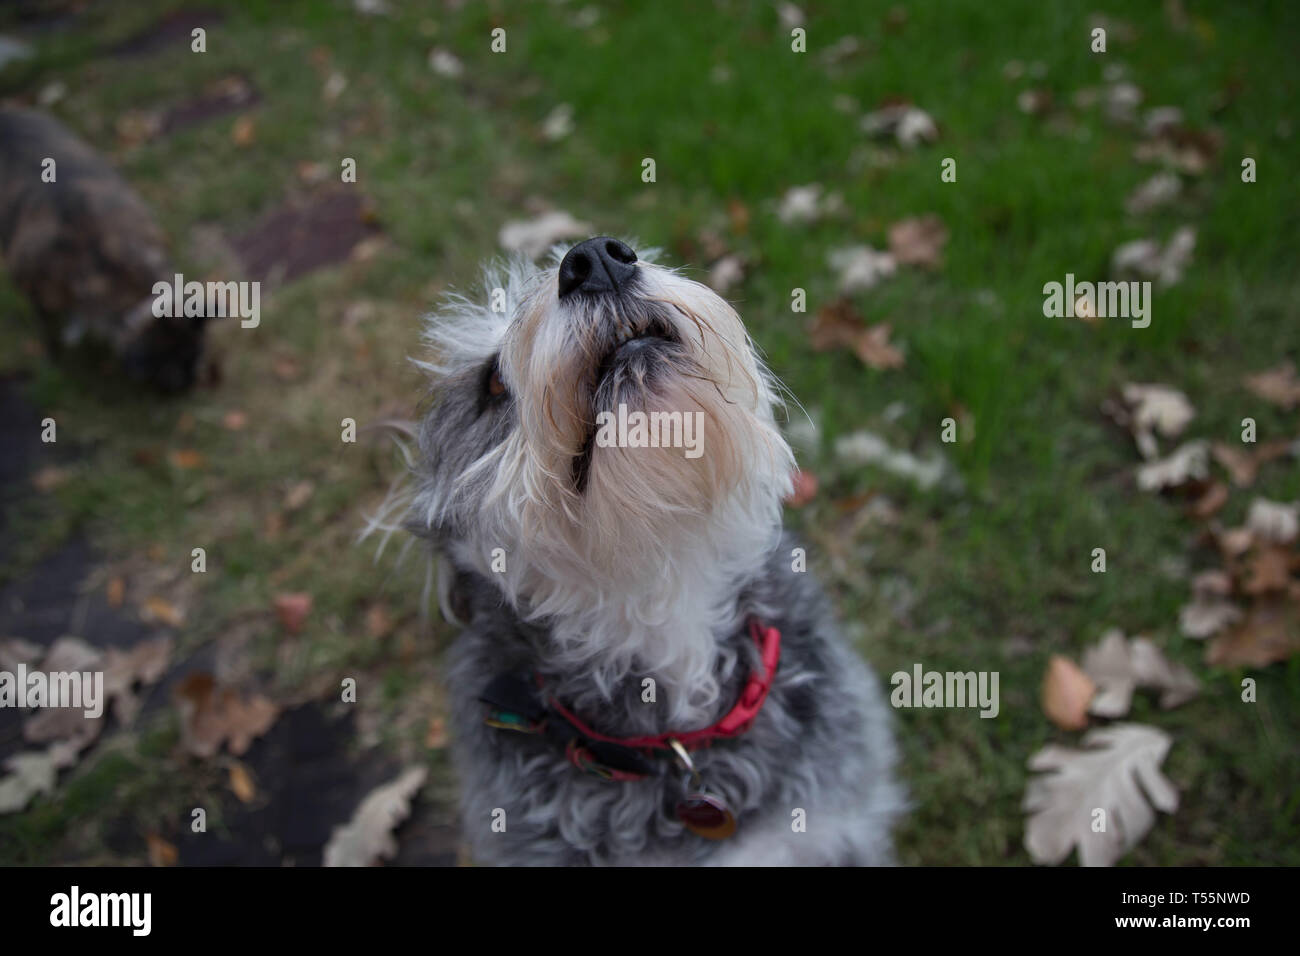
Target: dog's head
[[606, 423]]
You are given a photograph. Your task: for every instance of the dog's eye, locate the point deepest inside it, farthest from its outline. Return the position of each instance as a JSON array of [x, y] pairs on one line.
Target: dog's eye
[[492, 384]]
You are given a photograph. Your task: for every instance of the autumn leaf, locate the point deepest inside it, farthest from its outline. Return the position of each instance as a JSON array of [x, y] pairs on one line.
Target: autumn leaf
[[368, 837], [1066, 693], [1278, 385], [838, 325], [919, 241], [1270, 632], [159, 610], [213, 715], [186, 459], [291, 610], [234, 420], [1117, 772], [241, 782], [161, 853], [1121, 666], [115, 592], [49, 478]]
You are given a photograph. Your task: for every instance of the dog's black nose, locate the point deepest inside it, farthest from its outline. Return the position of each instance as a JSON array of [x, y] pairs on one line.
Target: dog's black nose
[[598, 265]]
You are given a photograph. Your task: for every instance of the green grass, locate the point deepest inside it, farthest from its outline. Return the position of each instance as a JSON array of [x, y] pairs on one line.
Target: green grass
[[1000, 574]]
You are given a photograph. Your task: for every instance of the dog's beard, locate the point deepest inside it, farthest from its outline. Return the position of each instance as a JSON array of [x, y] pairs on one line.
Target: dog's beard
[[609, 514]]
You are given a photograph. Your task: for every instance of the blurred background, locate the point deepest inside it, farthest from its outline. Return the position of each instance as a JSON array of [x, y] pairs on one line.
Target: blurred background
[[919, 170]]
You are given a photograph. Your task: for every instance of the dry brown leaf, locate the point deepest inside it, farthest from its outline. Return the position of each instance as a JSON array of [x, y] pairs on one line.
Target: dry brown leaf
[[213, 715], [368, 837], [436, 736], [1211, 501], [1278, 385], [378, 622], [185, 458], [1269, 633], [161, 853], [1066, 693], [1118, 772], [838, 324], [918, 241], [159, 610], [1269, 570], [244, 131], [234, 420], [241, 783], [299, 495], [291, 610], [1240, 465], [115, 591], [47, 479], [1120, 666]]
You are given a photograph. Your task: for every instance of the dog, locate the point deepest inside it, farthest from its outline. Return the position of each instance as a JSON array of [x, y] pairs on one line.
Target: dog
[[645, 675], [85, 249]]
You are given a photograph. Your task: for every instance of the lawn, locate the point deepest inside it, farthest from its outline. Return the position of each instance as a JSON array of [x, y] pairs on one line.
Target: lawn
[[994, 576]]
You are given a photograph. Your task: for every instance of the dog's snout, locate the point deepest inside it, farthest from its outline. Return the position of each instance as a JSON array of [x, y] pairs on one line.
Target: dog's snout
[[596, 266]]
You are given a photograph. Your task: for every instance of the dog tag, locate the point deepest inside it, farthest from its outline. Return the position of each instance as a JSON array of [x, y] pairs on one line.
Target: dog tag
[[706, 816]]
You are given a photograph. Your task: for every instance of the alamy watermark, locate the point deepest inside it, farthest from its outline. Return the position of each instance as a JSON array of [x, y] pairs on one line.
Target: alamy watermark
[[1099, 300], [210, 300], [639, 429], [922, 688], [23, 688]]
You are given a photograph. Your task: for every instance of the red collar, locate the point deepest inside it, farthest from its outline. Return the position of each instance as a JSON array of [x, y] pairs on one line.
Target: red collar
[[734, 723]]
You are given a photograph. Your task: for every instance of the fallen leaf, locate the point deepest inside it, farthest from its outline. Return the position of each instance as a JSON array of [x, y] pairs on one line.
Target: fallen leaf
[[1273, 521], [1205, 616], [1159, 190], [299, 495], [241, 783], [161, 853], [1190, 462], [33, 773], [234, 420], [186, 458], [1211, 501], [1155, 409], [1147, 259], [919, 241], [1117, 772], [115, 592], [368, 838], [908, 125], [213, 715], [860, 267], [1121, 666], [50, 477], [286, 368], [291, 610], [535, 236], [1269, 570], [838, 324], [1066, 693], [243, 132], [1278, 385], [726, 273], [159, 610], [436, 737], [1240, 465], [1270, 632], [378, 623]]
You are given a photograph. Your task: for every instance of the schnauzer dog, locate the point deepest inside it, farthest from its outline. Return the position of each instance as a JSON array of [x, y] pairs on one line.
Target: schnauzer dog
[[645, 675]]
